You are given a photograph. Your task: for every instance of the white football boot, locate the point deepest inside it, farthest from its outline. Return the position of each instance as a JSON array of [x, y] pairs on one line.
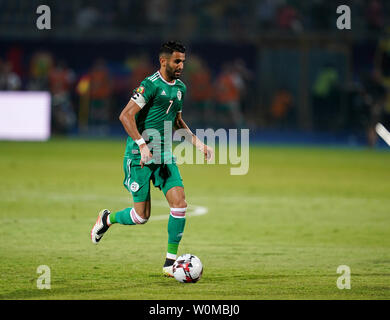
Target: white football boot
[[100, 226], [168, 267]]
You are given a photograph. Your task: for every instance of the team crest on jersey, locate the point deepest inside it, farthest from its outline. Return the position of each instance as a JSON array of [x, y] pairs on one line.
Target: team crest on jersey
[[140, 90], [179, 95], [134, 186]]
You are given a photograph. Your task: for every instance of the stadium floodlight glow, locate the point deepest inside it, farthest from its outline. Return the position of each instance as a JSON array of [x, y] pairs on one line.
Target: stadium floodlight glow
[[383, 132], [25, 115]]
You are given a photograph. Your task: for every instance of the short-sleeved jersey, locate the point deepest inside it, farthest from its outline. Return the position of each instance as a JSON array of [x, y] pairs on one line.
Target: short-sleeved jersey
[[160, 101]]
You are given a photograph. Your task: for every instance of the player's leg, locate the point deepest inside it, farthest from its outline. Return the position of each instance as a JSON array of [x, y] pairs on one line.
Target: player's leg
[[168, 178], [138, 214], [137, 181], [177, 219], [176, 223]]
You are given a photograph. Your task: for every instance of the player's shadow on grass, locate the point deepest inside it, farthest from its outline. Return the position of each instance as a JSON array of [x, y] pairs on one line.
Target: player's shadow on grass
[[159, 276]]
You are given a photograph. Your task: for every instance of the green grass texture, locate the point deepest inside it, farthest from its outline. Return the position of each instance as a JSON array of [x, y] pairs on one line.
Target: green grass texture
[[278, 232]]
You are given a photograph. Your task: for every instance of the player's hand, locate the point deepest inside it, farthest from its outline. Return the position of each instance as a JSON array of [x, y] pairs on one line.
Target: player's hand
[[208, 152], [145, 154]]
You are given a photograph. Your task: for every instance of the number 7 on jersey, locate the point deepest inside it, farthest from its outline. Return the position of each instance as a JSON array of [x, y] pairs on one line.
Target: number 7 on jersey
[[170, 105]]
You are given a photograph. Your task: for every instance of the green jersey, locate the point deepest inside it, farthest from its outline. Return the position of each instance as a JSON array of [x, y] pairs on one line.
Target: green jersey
[[160, 101]]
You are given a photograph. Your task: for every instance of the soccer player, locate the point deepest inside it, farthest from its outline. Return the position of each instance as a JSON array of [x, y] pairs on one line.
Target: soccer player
[[158, 99]]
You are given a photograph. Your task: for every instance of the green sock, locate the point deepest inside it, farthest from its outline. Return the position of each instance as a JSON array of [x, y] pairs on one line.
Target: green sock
[[173, 248], [122, 217], [111, 217], [175, 233]]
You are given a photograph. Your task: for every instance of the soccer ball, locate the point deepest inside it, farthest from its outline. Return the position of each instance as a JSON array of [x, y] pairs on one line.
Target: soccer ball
[[187, 268]]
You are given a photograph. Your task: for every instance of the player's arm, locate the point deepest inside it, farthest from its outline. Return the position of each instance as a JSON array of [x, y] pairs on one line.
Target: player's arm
[[127, 117], [191, 137]]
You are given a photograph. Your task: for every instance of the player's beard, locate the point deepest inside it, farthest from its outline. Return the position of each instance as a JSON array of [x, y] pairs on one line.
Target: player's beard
[[171, 72]]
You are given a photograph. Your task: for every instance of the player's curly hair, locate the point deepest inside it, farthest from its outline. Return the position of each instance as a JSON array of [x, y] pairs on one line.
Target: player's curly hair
[[170, 47]]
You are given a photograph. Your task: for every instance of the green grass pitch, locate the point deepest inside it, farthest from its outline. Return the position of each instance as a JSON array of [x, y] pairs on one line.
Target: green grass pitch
[[279, 232]]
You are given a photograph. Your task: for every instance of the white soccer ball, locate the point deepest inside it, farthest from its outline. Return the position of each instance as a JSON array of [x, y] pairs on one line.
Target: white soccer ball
[[187, 268]]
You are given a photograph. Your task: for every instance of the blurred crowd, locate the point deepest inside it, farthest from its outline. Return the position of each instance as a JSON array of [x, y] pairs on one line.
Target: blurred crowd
[[91, 100], [197, 18], [272, 91]]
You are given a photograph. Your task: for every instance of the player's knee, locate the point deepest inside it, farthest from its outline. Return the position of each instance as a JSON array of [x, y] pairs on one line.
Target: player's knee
[[144, 221], [140, 217], [180, 203], [143, 211], [178, 209], [144, 218]]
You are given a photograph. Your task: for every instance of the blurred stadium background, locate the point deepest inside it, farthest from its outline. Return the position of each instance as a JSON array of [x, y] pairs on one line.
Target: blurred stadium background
[[316, 196], [278, 67]]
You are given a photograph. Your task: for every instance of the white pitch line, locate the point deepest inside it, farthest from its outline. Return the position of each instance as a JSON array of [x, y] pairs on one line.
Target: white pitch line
[[192, 211]]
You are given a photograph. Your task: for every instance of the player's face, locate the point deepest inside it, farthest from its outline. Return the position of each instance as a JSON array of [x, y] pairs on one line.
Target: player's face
[[175, 64]]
